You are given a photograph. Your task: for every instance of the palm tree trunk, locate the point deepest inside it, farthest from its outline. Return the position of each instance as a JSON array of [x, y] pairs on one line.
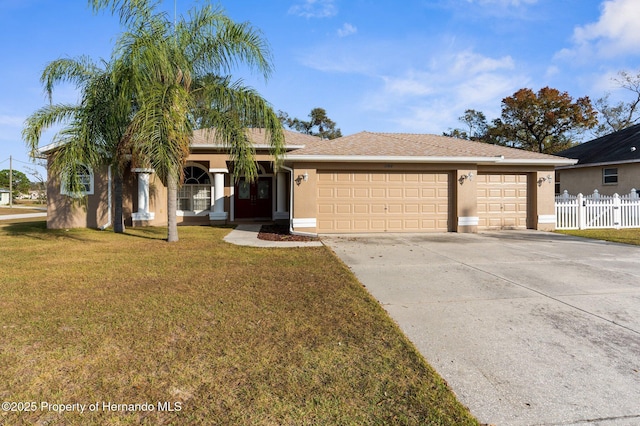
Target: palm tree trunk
[[118, 222], [172, 204]]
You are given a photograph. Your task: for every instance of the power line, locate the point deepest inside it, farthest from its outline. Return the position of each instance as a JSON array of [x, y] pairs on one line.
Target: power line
[[23, 162]]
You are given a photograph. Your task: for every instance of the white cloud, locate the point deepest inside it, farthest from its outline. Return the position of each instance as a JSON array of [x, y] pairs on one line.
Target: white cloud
[[552, 70], [470, 63], [412, 84], [503, 3], [11, 120], [431, 100], [314, 9], [614, 34], [346, 30]]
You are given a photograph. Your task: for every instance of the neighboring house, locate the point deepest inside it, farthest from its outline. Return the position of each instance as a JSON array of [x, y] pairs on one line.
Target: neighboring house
[[5, 194], [367, 182], [610, 164]]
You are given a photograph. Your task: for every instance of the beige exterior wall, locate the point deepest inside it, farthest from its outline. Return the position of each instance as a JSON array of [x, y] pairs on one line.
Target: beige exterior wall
[[464, 201], [463, 196], [305, 213], [89, 212], [587, 179], [461, 187], [543, 211]]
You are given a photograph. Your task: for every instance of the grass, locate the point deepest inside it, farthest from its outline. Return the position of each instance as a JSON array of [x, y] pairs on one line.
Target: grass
[[224, 334], [626, 236]]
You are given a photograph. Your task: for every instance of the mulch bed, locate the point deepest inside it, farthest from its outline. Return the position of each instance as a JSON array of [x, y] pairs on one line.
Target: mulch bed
[[281, 233]]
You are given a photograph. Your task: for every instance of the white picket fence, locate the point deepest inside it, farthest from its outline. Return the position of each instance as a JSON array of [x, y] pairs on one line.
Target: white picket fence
[[597, 211]]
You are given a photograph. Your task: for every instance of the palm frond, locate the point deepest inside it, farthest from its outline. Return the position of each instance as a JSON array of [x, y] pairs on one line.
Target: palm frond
[[43, 119], [130, 12], [67, 70]]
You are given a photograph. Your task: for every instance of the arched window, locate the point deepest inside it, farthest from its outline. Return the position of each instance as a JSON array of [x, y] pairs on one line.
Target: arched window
[[195, 193], [83, 178]]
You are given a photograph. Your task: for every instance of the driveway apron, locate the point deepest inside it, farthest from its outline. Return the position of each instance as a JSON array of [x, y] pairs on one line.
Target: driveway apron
[[528, 328]]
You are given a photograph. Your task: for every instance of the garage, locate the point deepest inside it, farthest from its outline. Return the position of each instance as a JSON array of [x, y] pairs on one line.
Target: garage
[[377, 201], [502, 201]]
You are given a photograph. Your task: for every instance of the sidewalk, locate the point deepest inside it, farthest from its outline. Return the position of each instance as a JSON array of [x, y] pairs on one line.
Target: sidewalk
[[247, 235], [22, 216]]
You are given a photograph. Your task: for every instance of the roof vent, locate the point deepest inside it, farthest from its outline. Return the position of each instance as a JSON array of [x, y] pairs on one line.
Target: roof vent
[[633, 148]]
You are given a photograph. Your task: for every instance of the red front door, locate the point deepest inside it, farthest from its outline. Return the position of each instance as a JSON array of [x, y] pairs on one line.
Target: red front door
[[253, 199]]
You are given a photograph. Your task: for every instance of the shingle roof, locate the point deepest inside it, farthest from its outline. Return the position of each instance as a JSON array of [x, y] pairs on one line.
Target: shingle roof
[[620, 146], [206, 138], [371, 144]]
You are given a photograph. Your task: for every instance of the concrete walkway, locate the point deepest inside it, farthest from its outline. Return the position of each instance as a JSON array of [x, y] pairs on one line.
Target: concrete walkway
[[22, 216], [247, 235], [528, 328]]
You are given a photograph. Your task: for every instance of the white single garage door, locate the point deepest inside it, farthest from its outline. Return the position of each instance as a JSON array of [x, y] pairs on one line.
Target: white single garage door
[[382, 202], [502, 201]]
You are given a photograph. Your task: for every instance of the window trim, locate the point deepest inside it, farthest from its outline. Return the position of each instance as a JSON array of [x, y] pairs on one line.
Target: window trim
[[613, 173], [206, 211], [65, 191]]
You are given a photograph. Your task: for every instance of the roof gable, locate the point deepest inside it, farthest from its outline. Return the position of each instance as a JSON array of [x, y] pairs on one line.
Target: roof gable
[[617, 147], [206, 138]]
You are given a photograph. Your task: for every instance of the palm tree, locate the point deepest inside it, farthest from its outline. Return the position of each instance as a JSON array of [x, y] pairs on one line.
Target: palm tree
[[180, 83], [94, 130]]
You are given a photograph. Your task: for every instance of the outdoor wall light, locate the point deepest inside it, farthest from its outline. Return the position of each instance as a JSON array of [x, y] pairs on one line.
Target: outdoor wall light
[[304, 177], [464, 177], [545, 179]]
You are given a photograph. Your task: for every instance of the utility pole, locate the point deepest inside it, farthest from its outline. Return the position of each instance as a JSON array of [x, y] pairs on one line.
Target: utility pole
[[10, 182]]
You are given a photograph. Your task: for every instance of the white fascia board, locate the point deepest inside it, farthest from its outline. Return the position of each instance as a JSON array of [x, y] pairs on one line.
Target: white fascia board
[[383, 159], [418, 159], [256, 146], [539, 162], [50, 147]]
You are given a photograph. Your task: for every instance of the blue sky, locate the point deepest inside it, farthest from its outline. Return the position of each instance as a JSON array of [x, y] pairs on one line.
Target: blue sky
[[377, 65]]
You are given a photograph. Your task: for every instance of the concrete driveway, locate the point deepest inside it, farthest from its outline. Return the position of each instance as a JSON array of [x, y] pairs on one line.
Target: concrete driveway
[[528, 328]]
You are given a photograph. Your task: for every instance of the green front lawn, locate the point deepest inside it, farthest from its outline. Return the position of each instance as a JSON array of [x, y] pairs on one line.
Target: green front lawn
[[218, 333], [626, 236]]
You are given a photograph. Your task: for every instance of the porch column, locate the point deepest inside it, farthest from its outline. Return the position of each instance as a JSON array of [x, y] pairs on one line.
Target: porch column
[[281, 196], [217, 199], [143, 213]]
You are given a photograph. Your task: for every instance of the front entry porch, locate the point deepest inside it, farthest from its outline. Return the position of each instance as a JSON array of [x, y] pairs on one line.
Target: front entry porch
[[254, 200]]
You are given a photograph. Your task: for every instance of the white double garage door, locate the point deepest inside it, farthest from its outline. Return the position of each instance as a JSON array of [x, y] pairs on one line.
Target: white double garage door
[[414, 202]]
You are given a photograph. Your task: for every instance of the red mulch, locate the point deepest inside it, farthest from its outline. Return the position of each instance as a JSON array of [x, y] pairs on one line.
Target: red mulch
[[281, 233]]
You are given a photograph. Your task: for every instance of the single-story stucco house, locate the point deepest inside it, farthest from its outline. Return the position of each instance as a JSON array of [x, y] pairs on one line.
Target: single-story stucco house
[[366, 182], [609, 164]]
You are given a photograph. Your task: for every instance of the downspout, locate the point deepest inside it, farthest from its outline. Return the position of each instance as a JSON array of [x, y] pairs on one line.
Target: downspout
[[108, 224], [291, 231]]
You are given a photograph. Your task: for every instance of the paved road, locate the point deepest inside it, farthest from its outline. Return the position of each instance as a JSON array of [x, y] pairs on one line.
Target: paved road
[[22, 216], [528, 328]]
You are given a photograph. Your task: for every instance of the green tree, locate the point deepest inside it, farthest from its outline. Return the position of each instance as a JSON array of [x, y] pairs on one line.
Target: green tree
[[545, 122], [19, 181], [180, 83], [319, 124], [476, 122], [93, 131], [456, 133], [614, 117]]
